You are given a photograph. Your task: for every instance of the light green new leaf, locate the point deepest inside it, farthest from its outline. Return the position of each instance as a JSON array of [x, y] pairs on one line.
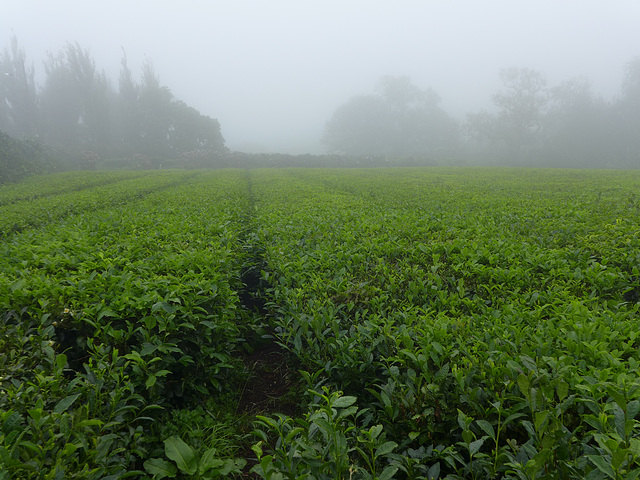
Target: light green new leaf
[[375, 431]]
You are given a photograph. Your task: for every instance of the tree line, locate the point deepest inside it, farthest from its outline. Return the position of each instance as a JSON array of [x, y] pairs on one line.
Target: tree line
[[78, 115], [79, 108], [533, 123]]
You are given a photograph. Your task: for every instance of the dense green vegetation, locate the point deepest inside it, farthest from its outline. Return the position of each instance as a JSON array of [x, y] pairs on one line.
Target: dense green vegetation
[[438, 323], [77, 107], [532, 123], [21, 158]]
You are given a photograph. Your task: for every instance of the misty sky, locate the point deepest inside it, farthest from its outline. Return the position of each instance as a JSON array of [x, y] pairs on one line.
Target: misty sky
[[273, 72]]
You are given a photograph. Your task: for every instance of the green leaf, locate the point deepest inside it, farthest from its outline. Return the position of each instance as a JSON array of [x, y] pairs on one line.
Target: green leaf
[[632, 409], [341, 442], [634, 446], [209, 460], [434, 472], [487, 428], [562, 389], [181, 453], [148, 349], [618, 457], [150, 322], [512, 417], [324, 426], [617, 396], [167, 307], [375, 431], [160, 468], [228, 466], [388, 472], [237, 465], [18, 285], [90, 423], [12, 421], [463, 420], [619, 421], [541, 420], [352, 410], [524, 384], [65, 403], [268, 421], [385, 448], [61, 361], [69, 449], [602, 465], [343, 402], [151, 381], [36, 449], [105, 312], [474, 447]]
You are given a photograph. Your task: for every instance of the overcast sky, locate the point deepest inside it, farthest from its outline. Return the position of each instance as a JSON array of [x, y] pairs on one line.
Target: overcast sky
[[273, 72]]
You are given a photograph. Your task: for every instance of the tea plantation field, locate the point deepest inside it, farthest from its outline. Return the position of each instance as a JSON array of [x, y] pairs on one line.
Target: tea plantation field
[[416, 323]]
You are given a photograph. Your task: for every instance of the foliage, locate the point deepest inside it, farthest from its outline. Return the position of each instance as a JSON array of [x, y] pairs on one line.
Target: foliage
[[325, 444], [485, 318], [564, 125], [78, 109], [190, 464], [21, 158], [18, 97], [448, 323], [46, 200], [103, 325], [400, 120]]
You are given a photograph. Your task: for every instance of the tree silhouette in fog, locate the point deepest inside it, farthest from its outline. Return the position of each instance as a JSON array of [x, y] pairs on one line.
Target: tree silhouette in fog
[[400, 119]]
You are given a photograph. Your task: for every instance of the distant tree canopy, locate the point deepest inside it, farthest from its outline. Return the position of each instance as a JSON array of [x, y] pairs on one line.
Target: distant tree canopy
[[18, 96], [627, 113], [78, 108], [20, 158], [564, 125], [400, 119], [533, 124]]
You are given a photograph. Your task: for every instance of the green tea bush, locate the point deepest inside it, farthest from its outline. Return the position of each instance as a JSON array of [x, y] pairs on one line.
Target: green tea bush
[[471, 316], [448, 323]]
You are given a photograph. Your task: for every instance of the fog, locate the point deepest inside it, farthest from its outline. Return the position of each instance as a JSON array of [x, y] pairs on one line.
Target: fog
[[272, 73]]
